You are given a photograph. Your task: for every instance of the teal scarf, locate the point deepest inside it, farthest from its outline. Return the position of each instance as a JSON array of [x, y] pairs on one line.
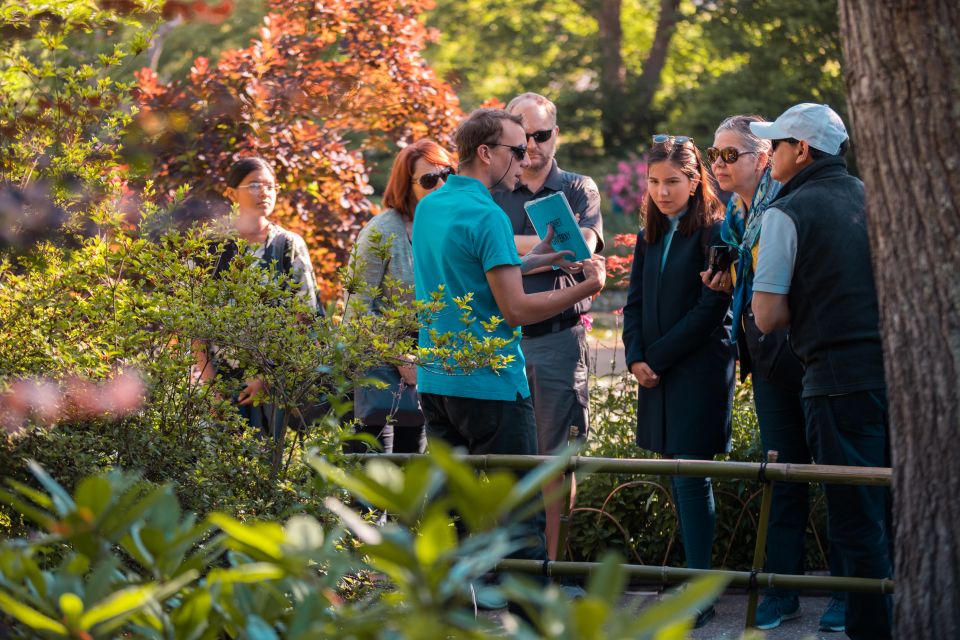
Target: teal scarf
[[741, 230]]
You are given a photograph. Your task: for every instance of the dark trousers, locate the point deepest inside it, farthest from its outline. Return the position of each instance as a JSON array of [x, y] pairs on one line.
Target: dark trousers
[[392, 438], [697, 513], [490, 427], [852, 429], [782, 428]]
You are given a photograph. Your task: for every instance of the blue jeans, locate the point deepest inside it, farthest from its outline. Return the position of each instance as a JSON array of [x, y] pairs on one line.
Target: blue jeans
[[697, 512], [782, 428], [852, 429]]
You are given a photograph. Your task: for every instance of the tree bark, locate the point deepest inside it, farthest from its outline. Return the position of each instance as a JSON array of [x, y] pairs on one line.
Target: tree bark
[[903, 83], [625, 100], [613, 73], [649, 81]]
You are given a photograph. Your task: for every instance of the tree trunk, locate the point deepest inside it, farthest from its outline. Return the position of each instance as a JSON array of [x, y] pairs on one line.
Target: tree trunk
[[613, 74], [903, 84], [647, 84], [625, 102]]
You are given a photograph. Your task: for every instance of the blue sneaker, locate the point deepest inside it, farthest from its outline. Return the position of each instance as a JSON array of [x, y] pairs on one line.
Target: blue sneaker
[[835, 616], [775, 609]]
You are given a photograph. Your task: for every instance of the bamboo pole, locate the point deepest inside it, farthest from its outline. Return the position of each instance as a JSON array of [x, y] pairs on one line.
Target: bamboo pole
[[781, 472], [672, 575], [761, 543]]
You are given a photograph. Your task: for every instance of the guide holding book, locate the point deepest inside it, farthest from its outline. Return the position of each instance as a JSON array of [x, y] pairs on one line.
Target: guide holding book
[[555, 349]]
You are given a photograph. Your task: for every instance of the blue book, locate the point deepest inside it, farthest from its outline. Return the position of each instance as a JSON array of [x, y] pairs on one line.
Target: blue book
[[555, 210]]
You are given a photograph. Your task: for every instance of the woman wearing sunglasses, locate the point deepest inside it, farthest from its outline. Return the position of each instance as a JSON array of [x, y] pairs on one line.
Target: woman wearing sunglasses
[[741, 164], [675, 342], [419, 169]]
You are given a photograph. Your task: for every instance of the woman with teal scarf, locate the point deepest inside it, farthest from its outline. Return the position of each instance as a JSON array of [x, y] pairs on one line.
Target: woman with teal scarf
[[741, 164]]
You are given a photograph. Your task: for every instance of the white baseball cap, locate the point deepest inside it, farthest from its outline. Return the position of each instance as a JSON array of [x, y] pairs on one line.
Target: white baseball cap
[[816, 124]]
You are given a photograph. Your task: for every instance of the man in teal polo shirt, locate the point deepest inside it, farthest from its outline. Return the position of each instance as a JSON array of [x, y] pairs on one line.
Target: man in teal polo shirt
[[463, 242]]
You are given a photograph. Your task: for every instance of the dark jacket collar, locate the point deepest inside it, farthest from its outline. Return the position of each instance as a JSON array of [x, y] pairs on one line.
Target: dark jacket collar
[[822, 168]]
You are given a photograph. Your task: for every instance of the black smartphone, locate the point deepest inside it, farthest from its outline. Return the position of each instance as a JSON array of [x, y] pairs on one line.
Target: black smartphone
[[720, 257]]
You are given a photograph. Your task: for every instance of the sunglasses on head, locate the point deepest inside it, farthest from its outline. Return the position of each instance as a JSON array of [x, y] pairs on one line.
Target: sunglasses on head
[[429, 180], [518, 151], [787, 140], [728, 154], [541, 136], [663, 138]]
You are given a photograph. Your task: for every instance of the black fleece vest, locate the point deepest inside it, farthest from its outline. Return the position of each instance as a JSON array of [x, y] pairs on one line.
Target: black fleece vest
[[834, 325]]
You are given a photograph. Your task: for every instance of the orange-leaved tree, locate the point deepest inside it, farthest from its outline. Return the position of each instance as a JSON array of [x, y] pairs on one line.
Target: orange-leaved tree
[[323, 82]]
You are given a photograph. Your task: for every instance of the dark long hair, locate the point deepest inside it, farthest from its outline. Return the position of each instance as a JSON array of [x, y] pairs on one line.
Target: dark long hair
[[704, 206], [244, 167]]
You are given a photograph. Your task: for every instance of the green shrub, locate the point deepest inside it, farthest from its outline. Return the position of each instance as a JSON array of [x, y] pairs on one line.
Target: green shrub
[[118, 557]]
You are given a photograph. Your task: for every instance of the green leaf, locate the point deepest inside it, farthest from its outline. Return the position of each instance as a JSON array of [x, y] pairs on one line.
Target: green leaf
[[121, 604], [62, 502], [681, 606], [251, 573], [609, 580], [94, 493], [304, 533], [437, 537], [71, 605], [265, 537], [190, 619], [38, 497], [45, 520], [30, 617], [588, 616]]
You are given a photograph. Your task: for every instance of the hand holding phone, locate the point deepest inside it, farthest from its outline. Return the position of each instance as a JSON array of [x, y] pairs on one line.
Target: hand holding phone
[[720, 257]]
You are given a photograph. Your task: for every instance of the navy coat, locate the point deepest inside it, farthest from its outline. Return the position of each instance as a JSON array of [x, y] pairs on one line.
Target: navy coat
[[674, 323]]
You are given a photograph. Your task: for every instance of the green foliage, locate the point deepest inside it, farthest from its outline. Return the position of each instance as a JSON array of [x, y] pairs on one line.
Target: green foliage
[[725, 57], [128, 561], [62, 111], [765, 56]]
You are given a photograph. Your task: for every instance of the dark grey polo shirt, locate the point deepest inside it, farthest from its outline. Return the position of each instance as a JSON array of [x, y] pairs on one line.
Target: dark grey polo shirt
[[584, 199]]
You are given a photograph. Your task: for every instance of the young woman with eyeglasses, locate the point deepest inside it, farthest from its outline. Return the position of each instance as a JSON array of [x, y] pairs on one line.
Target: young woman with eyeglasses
[[675, 342], [419, 169], [251, 185], [741, 164]]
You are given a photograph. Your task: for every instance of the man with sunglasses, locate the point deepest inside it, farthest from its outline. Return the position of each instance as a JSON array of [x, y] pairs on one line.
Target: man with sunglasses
[[555, 349], [814, 275], [463, 244]]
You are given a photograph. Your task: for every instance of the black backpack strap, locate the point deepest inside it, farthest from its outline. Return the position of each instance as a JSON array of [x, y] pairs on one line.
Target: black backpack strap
[[225, 251], [279, 252]]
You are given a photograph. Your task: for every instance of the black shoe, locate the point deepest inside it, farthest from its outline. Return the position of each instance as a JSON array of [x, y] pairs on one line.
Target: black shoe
[[704, 616]]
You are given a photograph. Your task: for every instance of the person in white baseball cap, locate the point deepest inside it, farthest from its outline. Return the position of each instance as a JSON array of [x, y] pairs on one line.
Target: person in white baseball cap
[[811, 130], [814, 275]]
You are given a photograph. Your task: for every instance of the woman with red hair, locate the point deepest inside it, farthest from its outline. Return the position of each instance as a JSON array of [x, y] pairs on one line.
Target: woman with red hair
[[418, 169]]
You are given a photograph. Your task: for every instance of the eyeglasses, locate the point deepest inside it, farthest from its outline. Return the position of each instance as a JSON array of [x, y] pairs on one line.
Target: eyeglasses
[[663, 138], [728, 154], [429, 180], [787, 140], [518, 151], [259, 187], [541, 136]]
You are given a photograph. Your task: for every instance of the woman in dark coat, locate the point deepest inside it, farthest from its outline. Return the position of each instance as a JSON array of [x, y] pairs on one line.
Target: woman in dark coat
[[675, 342]]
